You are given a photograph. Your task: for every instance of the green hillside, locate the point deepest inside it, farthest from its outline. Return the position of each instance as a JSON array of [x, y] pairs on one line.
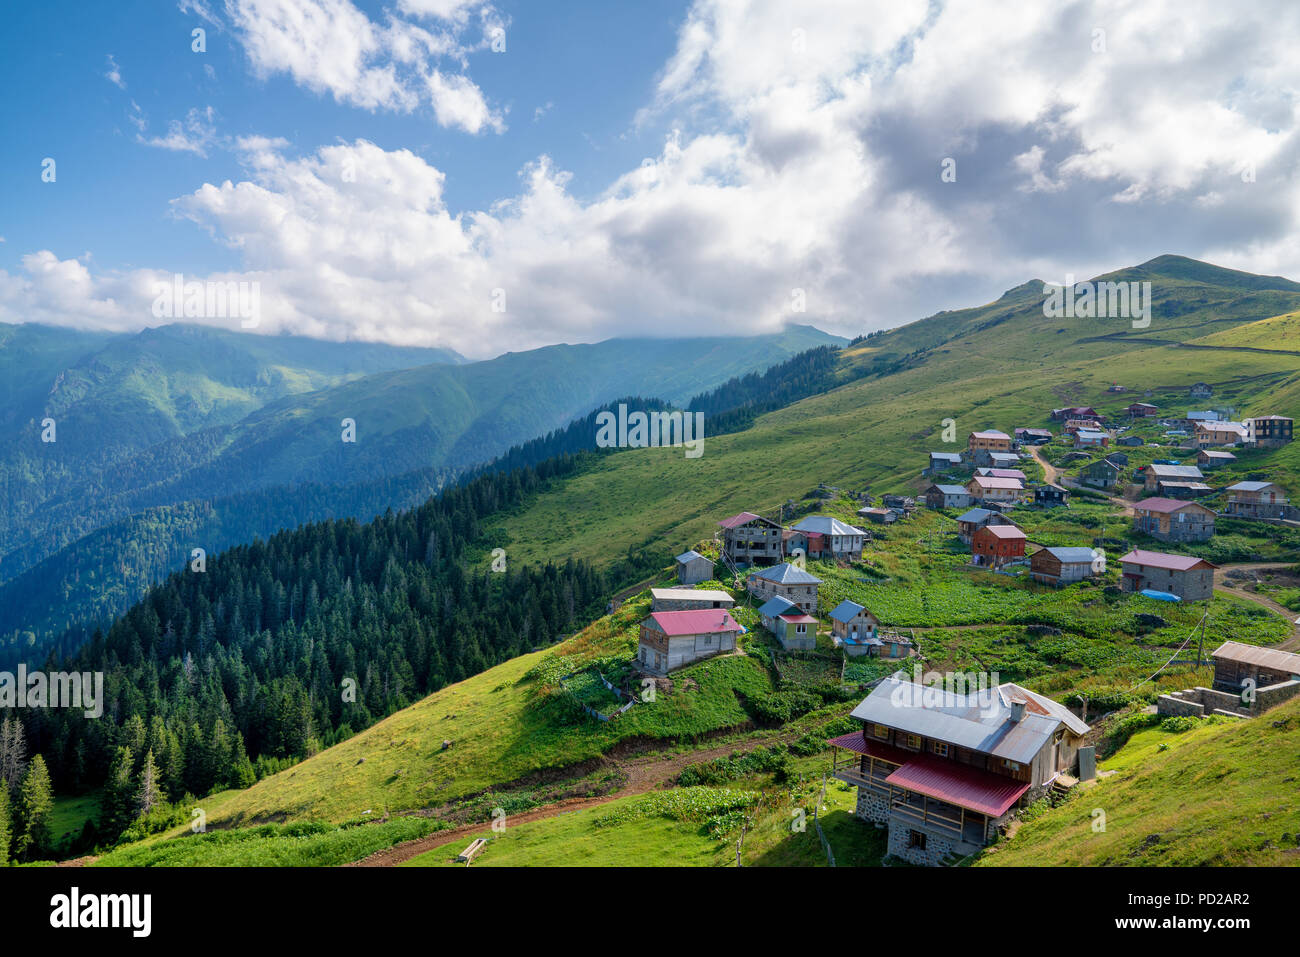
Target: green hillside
[[182, 414], [513, 736], [1221, 794]]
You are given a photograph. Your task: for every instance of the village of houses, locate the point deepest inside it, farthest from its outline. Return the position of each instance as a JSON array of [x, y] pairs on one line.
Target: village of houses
[[945, 773]]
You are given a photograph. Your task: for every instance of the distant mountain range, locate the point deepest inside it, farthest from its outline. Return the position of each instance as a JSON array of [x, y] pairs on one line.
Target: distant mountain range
[[151, 428]]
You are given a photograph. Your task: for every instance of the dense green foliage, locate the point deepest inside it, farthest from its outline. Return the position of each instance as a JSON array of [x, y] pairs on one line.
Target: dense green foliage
[[283, 646]]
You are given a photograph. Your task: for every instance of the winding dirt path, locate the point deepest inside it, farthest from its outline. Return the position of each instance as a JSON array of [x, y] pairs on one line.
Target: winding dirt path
[[643, 774], [1057, 477], [1221, 584]]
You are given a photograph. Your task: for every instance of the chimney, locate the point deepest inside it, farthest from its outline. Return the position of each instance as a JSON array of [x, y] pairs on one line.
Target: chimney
[[1017, 710]]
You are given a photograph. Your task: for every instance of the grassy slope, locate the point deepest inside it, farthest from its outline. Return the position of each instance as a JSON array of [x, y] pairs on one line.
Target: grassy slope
[[1224, 794], [871, 432]]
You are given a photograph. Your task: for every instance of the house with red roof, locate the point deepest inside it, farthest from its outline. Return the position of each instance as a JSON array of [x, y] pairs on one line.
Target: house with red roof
[[996, 545], [1186, 576], [946, 768], [674, 639], [750, 539]]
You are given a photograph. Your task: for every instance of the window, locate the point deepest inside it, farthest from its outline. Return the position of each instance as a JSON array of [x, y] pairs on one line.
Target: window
[[801, 629], [941, 749], [914, 741], [1011, 765], [916, 839], [880, 731]]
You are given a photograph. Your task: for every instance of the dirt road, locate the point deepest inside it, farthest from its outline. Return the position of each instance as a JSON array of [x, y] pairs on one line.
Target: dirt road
[[643, 775], [1056, 477], [1221, 584]]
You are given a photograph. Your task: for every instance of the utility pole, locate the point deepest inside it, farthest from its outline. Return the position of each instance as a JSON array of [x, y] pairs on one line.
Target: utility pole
[[1200, 645]]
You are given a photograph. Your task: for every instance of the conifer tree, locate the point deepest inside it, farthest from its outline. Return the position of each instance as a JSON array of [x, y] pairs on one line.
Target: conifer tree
[[35, 799]]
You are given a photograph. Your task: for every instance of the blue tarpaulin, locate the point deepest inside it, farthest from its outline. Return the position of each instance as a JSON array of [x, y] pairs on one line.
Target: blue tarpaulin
[[1159, 595]]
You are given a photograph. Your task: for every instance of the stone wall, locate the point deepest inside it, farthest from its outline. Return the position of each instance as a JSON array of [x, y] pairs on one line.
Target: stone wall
[[1199, 701], [937, 848], [872, 807]]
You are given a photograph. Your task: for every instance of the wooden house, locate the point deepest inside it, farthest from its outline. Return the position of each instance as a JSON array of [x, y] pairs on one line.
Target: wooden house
[[995, 545], [853, 627], [1173, 520], [1201, 390], [1075, 426], [1140, 410], [1209, 459], [1210, 434], [1257, 500], [749, 539], [1091, 439], [785, 581], [1187, 577], [1238, 666], [1062, 566], [1155, 474], [1032, 436], [1077, 412], [824, 537], [990, 440], [947, 496], [795, 630], [693, 568], [1129, 440], [985, 488], [944, 770], [1269, 431], [968, 523], [941, 462], [1051, 495], [673, 639], [689, 599], [879, 515], [1100, 474]]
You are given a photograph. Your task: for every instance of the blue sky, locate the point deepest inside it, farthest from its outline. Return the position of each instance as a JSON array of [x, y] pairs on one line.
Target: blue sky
[[112, 191], [703, 167]]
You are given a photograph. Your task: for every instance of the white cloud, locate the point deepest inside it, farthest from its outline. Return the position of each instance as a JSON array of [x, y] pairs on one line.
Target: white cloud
[[114, 74], [332, 47], [806, 156], [195, 134]]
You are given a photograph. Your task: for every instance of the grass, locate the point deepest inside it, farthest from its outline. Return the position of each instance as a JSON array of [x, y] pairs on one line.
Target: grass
[[70, 814], [305, 844], [1221, 794]]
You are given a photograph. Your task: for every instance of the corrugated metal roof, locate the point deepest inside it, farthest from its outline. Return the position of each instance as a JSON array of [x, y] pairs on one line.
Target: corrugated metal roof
[[1284, 661], [775, 607], [1176, 471], [1072, 555], [1009, 532], [1165, 505], [980, 791], [847, 610], [856, 742], [991, 434], [744, 518], [979, 721], [825, 525], [691, 556], [1178, 563], [976, 515], [952, 489], [1249, 486], [988, 481], [787, 574], [694, 594], [701, 621]]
